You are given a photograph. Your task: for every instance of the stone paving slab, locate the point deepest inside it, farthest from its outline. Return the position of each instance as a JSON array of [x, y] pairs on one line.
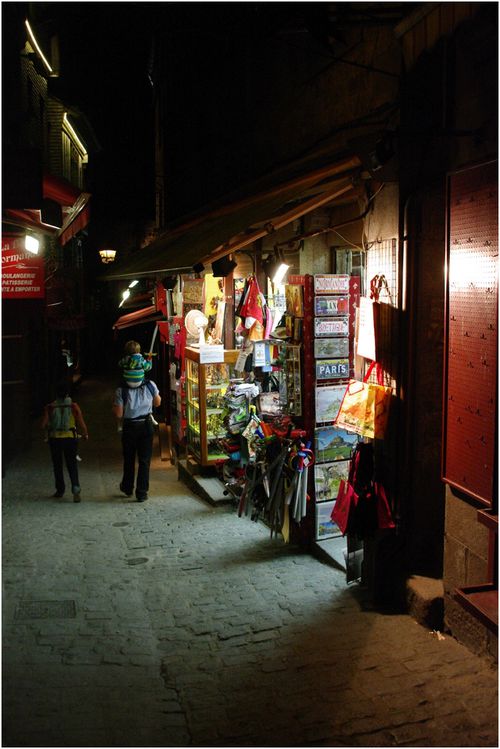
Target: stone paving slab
[[194, 628]]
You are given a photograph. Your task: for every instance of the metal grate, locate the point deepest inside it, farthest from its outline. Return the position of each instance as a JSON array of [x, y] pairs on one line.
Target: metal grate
[[382, 260], [45, 610]]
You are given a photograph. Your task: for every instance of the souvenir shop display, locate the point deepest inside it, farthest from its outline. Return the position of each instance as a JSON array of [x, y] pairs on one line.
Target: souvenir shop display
[[266, 416], [336, 297], [362, 505], [206, 385], [328, 400], [365, 406]]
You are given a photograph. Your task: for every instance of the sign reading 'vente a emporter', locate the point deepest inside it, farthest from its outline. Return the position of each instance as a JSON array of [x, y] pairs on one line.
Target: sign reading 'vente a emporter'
[[22, 272]]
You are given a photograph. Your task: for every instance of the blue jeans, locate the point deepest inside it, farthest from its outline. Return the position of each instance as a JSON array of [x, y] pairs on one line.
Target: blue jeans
[[67, 447], [137, 443]]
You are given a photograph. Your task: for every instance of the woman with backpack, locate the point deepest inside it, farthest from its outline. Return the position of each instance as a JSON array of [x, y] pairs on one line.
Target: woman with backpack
[[61, 419]]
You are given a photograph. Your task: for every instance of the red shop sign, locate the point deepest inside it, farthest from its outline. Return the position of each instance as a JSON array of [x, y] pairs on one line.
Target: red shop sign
[[23, 275]]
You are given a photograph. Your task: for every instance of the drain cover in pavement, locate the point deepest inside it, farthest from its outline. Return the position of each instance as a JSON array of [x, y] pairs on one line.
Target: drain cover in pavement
[[137, 560], [45, 610]]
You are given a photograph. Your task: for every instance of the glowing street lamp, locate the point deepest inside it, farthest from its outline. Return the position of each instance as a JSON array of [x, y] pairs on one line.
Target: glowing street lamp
[[107, 256]]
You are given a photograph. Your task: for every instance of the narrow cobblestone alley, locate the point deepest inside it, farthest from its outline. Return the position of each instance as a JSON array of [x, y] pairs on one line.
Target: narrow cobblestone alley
[[171, 623]]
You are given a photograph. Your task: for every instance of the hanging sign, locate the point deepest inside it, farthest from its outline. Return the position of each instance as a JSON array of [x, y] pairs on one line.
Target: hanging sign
[[23, 274], [333, 326], [331, 283], [331, 305], [366, 343], [332, 369]]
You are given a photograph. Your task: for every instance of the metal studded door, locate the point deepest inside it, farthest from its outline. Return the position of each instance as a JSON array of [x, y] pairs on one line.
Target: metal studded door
[[470, 376]]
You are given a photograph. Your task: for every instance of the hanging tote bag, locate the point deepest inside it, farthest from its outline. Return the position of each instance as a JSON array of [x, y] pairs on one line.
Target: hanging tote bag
[[344, 506], [384, 513], [365, 406]]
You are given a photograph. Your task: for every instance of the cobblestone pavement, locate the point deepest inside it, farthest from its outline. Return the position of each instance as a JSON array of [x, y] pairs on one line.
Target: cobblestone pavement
[[192, 628]]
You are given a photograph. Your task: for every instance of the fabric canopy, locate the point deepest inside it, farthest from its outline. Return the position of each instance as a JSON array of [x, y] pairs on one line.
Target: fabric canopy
[[74, 204], [138, 317], [230, 226]]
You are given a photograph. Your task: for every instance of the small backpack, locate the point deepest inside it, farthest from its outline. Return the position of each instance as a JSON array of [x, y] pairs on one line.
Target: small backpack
[[61, 416]]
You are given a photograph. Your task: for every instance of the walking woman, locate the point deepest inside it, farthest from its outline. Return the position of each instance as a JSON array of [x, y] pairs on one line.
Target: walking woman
[[62, 418]]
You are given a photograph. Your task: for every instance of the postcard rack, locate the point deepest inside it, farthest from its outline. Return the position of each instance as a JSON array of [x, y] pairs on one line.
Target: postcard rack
[[335, 299]]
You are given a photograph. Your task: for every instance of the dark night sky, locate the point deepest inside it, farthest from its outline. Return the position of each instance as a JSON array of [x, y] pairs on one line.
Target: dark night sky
[[105, 49]]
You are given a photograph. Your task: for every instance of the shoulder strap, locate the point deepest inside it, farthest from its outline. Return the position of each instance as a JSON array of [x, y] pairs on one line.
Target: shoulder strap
[[150, 387]]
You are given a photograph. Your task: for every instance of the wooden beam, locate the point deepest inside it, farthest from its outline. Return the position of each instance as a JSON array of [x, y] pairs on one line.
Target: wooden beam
[[278, 222], [307, 180]]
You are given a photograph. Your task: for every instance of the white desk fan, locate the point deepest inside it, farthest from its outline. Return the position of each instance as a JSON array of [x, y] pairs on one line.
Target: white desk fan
[[196, 324]]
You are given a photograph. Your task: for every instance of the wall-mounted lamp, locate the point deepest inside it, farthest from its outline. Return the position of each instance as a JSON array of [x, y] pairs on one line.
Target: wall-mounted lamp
[[107, 256], [125, 296], [31, 244], [223, 266], [169, 282], [274, 266]]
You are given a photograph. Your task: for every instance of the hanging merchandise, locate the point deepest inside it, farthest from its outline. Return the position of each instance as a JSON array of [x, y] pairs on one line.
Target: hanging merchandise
[[362, 506], [365, 407], [251, 309], [276, 475], [375, 320]]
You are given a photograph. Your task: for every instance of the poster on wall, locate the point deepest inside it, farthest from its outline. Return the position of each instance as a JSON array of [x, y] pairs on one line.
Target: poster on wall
[[327, 478], [330, 327], [294, 297], [331, 283], [324, 306], [331, 348], [23, 274], [325, 526], [192, 294], [328, 400], [332, 443]]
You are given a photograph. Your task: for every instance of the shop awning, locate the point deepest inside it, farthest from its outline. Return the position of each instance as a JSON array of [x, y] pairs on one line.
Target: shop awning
[[74, 211], [239, 222], [138, 317]]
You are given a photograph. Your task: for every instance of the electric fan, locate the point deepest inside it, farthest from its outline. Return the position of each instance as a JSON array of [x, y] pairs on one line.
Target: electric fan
[[196, 323]]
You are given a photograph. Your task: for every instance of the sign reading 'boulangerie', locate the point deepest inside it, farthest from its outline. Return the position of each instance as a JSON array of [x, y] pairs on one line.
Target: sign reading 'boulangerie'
[[23, 274]]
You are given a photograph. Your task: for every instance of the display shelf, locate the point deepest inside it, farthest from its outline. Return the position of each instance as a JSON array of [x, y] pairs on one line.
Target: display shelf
[[205, 388]]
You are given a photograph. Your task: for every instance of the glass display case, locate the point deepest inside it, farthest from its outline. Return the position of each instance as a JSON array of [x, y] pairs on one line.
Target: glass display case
[[293, 379], [206, 385]]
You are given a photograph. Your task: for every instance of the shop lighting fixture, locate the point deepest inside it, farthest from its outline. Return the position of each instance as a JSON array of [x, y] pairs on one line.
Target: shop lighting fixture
[[275, 267], [31, 244], [73, 134], [169, 282], [125, 296], [107, 256], [133, 283], [198, 268], [37, 46], [223, 267], [280, 273]]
